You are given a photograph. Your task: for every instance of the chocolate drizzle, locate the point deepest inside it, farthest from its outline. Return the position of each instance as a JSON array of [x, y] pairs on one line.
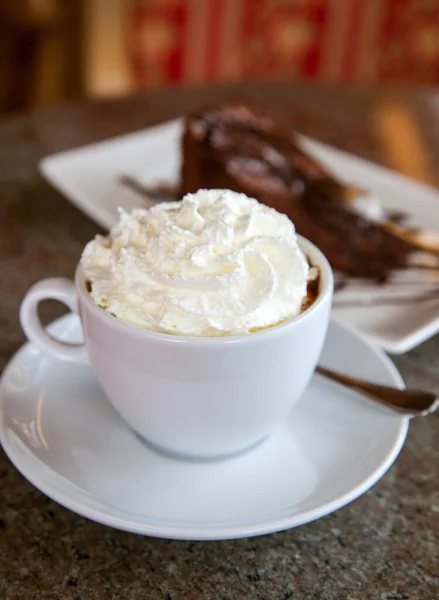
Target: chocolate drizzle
[[159, 192]]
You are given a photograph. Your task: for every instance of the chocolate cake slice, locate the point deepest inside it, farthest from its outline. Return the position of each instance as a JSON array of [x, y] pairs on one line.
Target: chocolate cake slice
[[237, 147]]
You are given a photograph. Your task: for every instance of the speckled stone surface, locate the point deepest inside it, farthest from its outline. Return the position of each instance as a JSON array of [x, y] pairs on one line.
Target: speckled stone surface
[[383, 546]]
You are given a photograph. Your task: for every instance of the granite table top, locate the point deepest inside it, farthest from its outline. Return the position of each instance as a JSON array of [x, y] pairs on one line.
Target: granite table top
[[383, 546]]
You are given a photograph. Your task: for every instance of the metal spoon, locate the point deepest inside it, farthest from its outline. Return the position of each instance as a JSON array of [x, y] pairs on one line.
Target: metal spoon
[[409, 402]]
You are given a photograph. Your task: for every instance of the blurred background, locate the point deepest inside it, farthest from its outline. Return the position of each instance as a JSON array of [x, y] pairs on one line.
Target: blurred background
[[58, 50]]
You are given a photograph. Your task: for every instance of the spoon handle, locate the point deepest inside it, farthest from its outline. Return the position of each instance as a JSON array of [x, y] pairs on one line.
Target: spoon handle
[[409, 402]]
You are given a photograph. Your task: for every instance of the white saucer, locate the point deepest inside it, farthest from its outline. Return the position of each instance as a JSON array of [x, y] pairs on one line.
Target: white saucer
[[61, 433]]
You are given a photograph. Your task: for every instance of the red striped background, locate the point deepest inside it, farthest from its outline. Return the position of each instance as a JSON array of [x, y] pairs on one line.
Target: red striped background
[[187, 41]]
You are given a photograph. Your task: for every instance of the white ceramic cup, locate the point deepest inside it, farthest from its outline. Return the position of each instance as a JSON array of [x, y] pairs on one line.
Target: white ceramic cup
[[198, 397]]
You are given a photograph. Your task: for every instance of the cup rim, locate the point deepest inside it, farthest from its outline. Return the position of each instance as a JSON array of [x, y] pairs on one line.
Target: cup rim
[[326, 288]]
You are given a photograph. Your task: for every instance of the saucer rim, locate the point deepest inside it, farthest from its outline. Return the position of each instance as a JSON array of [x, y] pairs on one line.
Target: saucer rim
[[210, 532]]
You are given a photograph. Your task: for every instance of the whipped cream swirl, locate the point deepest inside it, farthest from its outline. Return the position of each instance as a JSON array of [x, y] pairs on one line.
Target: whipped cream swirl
[[216, 263]]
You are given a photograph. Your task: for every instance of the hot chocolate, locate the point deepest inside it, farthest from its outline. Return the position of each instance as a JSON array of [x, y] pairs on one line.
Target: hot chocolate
[[215, 264]]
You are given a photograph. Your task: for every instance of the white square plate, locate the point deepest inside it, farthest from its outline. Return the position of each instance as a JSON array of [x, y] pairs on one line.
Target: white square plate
[[90, 178]]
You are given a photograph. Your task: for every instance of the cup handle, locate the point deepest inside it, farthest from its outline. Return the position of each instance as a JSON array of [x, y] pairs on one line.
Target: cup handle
[[60, 289]]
